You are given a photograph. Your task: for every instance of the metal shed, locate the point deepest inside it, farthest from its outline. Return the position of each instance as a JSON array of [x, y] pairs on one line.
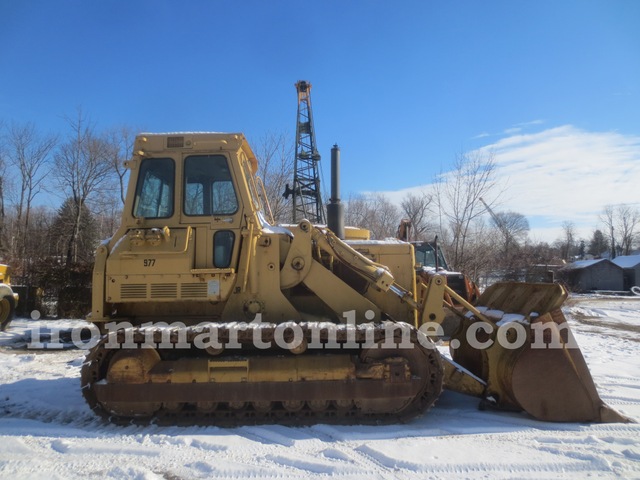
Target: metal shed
[[630, 265], [585, 275]]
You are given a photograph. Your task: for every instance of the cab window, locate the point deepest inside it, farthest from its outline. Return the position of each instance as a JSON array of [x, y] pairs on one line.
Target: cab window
[[154, 191], [208, 186], [426, 255], [223, 248]]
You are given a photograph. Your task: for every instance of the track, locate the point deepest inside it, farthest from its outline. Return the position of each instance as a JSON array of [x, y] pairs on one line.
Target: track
[[301, 374]]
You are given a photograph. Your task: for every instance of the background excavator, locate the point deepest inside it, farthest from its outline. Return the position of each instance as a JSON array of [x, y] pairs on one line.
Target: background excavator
[[431, 260], [213, 314]]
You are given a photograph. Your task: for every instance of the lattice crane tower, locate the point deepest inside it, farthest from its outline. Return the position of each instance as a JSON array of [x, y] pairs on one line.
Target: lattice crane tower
[[307, 198]]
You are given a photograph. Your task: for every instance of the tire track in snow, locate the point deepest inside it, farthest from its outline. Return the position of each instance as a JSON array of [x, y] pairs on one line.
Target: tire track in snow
[[576, 464]]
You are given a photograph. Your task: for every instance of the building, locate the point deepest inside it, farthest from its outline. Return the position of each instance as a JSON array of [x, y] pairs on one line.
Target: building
[[630, 265], [587, 275]]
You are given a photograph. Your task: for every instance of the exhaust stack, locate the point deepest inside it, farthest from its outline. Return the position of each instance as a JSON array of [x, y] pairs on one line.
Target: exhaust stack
[[335, 209]]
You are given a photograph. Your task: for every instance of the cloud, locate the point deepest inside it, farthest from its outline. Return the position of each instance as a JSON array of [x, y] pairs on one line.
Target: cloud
[[563, 174], [528, 124], [514, 129], [481, 135]]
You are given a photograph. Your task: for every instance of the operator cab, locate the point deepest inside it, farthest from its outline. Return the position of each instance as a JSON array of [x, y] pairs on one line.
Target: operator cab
[[426, 256]]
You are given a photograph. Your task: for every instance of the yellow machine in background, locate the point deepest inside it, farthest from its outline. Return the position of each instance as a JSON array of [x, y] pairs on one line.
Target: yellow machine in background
[[8, 299], [215, 315]]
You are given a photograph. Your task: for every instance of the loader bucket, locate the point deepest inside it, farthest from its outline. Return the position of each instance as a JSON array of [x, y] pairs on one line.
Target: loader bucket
[[522, 347]]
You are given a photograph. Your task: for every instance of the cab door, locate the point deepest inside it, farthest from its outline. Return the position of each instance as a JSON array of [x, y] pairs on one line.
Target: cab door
[[211, 206]]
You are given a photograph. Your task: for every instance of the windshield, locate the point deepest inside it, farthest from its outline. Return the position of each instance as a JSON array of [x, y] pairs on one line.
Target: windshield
[[208, 186], [154, 191], [426, 256]]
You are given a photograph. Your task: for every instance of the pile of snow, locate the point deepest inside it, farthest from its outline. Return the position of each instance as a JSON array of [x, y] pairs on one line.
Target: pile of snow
[[47, 431]]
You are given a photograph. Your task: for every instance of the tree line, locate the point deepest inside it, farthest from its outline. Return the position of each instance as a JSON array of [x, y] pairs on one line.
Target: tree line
[[455, 210], [62, 193]]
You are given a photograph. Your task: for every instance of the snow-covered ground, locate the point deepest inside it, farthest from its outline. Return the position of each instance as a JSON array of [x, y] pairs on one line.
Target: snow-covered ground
[[47, 431]]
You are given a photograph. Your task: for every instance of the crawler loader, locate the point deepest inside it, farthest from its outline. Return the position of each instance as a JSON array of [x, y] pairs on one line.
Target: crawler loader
[[8, 299], [212, 314]]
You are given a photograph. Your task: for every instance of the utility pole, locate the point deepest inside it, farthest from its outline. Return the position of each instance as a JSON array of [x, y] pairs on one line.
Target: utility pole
[[307, 199], [613, 245]]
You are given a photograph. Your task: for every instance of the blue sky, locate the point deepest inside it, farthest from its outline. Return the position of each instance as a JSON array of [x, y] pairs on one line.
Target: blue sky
[[402, 87]]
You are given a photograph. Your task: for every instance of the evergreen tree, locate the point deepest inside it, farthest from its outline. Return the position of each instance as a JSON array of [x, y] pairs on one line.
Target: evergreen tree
[[598, 244], [63, 228]]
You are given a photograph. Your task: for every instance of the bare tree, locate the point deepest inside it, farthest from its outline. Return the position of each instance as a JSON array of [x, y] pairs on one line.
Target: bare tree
[[275, 152], [107, 202], [509, 256], [28, 152], [628, 223], [514, 227], [622, 222], [106, 209], [386, 219], [374, 212], [482, 253], [458, 196], [567, 243], [416, 209], [120, 141], [83, 165], [358, 211]]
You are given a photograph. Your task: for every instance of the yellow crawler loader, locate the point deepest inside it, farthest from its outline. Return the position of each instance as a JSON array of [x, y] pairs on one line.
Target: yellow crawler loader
[[211, 314], [8, 299]]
